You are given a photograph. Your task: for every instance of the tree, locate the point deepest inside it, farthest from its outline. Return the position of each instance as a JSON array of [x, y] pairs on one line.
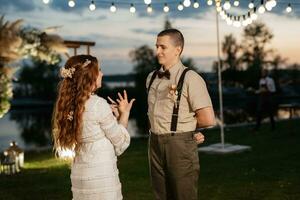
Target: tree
[[145, 62], [230, 50], [168, 24], [38, 80], [255, 38]]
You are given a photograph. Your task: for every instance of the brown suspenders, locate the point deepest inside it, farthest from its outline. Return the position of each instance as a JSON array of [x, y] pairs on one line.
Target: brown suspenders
[[174, 120]]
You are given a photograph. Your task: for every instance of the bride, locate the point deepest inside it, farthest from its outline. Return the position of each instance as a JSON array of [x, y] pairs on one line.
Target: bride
[[96, 130]]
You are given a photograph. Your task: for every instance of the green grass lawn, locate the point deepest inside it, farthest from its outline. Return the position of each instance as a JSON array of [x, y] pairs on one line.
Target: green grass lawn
[[271, 170]]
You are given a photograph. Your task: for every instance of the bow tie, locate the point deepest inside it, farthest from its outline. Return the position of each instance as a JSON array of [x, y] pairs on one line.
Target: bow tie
[[161, 74]]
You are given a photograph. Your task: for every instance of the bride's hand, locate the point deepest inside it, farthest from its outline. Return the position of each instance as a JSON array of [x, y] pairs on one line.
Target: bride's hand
[[124, 105], [114, 107]]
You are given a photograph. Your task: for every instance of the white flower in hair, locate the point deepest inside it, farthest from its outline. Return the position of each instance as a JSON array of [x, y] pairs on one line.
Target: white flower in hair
[[67, 73], [70, 116]]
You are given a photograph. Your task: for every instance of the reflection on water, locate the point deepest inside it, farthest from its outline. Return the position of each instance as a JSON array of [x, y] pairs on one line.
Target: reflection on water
[[31, 128]]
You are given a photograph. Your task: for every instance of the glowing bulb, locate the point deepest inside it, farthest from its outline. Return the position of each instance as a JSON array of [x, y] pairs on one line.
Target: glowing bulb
[[254, 16], [166, 8], [92, 6], [180, 7], [229, 21], [71, 3], [236, 3], [227, 5], [46, 1], [261, 9], [289, 8], [273, 3], [196, 4], [149, 9], [251, 5], [209, 2], [132, 8], [187, 3], [269, 5], [147, 2], [113, 8]]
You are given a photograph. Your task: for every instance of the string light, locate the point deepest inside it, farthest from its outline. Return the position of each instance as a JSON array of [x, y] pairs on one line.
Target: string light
[[46, 1], [237, 21], [261, 8], [132, 8], [273, 3], [268, 5], [253, 14], [236, 3], [196, 4], [289, 8], [147, 2], [180, 6], [187, 3], [244, 22], [209, 2], [166, 8], [251, 5], [227, 5], [219, 8], [113, 8], [92, 6], [149, 8], [71, 3]]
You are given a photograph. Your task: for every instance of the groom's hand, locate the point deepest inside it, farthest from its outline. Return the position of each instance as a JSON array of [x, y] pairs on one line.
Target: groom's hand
[[199, 137]]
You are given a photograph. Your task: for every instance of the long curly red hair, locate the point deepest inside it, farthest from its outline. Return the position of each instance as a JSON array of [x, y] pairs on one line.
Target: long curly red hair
[[73, 92]]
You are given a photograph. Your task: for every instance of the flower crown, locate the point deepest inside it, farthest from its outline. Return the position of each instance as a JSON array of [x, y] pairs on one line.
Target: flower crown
[[68, 73]]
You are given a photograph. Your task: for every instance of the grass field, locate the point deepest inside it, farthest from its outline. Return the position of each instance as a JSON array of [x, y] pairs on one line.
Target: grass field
[[271, 170]]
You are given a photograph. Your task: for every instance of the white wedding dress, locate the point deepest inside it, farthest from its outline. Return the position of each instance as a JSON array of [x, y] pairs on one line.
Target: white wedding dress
[[94, 173]]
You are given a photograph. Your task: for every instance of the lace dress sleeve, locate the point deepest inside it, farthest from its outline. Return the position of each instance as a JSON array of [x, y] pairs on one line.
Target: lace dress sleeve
[[115, 132]]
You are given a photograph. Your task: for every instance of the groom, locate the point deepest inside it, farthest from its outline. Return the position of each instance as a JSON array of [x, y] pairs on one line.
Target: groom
[[178, 103]]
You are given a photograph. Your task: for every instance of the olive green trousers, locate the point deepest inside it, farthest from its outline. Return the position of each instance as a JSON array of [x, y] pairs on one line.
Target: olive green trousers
[[174, 166]]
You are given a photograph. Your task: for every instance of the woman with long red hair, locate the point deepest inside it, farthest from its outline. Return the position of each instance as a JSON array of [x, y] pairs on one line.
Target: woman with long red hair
[[95, 130]]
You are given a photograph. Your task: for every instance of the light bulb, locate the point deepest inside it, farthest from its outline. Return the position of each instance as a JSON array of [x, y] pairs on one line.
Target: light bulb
[[289, 8], [147, 2], [71, 3], [187, 3], [273, 3], [209, 2], [149, 8], [113, 8], [132, 8], [226, 5], [180, 7], [196, 4], [261, 9], [166, 8], [46, 1], [251, 5], [236, 3], [229, 21], [92, 6], [254, 16], [269, 5]]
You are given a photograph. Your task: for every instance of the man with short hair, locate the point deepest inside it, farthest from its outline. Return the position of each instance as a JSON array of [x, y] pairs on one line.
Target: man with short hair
[[178, 104], [266, 104]]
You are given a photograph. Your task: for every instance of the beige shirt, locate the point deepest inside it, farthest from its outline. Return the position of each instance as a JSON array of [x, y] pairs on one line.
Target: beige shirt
[[161, 102]]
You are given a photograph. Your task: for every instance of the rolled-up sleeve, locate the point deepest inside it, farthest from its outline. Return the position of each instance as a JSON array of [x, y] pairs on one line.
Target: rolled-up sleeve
[[197, 91], [115, 132]]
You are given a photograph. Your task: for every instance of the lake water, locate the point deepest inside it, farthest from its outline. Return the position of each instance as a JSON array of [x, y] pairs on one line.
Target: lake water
[[31, 128]]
